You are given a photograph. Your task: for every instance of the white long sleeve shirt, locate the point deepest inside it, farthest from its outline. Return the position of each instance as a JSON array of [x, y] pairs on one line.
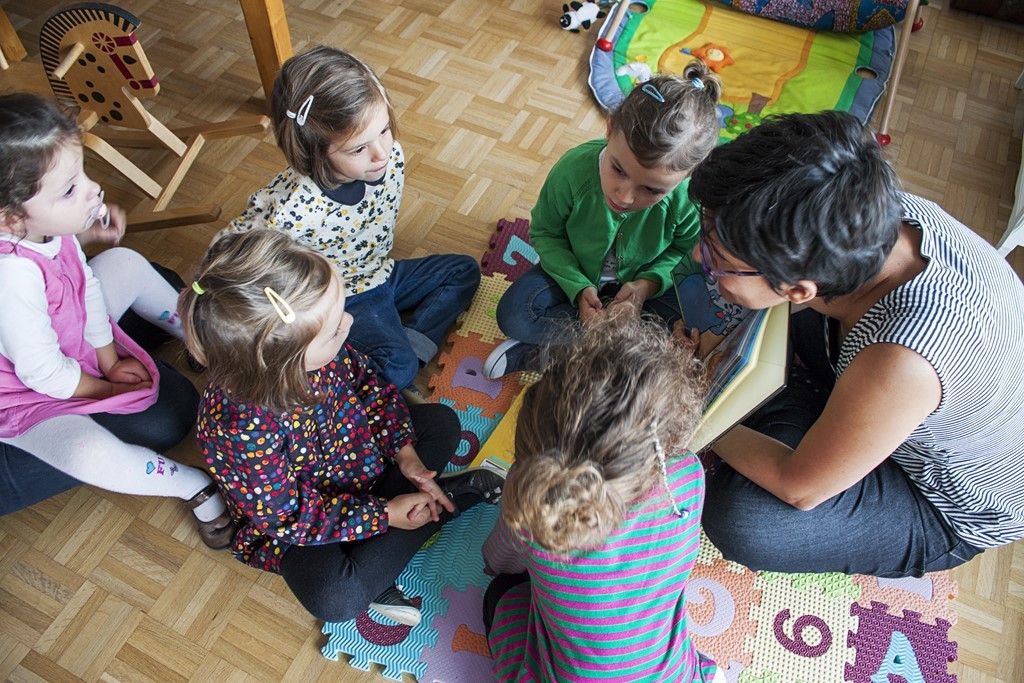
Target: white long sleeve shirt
[[27, 337]]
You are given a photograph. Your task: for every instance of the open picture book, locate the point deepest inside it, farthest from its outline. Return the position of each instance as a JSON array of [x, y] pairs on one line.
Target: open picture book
[[745, 354]]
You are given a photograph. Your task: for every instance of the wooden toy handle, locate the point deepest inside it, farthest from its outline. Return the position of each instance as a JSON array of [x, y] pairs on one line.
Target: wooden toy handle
[[69, 60], [605, 43]]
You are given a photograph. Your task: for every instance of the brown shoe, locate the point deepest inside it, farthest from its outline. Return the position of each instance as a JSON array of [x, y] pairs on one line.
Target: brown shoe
[[218, 533]]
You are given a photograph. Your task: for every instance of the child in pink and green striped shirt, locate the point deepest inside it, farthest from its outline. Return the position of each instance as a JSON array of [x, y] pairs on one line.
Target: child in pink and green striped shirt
[[600, 520]]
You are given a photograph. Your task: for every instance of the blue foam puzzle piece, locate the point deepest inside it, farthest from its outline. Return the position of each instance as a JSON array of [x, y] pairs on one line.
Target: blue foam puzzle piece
[[451, 558]]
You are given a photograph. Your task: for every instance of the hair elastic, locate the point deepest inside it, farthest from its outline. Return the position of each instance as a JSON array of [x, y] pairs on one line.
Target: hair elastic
[[303, 113], [197, 289], [653, 92], [698, 84], [664, 469], [281, 307]]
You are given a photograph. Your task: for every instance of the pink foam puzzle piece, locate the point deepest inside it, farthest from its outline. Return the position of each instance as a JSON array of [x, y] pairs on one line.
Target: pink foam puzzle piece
[[904, 647], [461, 654], [718, 601], [931, 595], [511, 252]]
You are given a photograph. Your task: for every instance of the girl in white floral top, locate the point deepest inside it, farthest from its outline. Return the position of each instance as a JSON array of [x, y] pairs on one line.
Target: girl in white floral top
[[340, 194]]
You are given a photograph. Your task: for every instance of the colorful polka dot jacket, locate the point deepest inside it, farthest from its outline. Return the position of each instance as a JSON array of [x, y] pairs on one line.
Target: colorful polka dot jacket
[[305, 478]]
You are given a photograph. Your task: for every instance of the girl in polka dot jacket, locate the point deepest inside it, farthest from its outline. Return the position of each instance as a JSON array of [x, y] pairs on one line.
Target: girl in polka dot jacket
[[330, 476]]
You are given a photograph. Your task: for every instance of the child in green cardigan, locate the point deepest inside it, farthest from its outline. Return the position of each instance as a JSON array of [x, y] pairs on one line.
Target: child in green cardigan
[[613, 219]]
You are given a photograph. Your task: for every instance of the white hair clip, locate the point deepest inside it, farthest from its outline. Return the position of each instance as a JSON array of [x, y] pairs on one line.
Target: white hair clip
[[303, 113], [281, 307]]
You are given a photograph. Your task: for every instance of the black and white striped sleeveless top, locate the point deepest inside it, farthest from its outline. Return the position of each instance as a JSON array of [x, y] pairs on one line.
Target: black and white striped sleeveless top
[[965, 315]]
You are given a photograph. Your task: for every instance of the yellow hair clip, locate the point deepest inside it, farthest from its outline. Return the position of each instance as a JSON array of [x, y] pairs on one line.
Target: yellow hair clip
[[281, 307], [197, 289]]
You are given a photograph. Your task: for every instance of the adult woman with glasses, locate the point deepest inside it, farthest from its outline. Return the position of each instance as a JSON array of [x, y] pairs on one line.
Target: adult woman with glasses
[[898, 446]]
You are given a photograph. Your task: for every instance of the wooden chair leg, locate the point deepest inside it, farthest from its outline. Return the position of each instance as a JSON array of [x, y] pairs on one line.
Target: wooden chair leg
[[171, 186], [173, 218], [243, 125]]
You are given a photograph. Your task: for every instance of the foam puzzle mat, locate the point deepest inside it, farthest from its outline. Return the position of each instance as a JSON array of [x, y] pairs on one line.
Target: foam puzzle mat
[[760, 627]]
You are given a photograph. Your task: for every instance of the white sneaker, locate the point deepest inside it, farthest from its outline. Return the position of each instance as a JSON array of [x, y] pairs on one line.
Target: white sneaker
[[503, 360]]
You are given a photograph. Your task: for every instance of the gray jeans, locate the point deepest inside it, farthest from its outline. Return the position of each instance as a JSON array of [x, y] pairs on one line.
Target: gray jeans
[[882, 526]]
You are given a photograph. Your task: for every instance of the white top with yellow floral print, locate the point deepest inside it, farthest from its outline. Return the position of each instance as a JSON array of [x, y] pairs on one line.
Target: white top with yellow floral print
[[356, 238]]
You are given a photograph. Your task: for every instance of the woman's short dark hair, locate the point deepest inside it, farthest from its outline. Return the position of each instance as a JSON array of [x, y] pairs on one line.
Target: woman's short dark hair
[[803, 197]]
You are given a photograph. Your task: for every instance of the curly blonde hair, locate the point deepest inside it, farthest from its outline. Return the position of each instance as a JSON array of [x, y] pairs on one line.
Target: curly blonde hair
[[585, 436]]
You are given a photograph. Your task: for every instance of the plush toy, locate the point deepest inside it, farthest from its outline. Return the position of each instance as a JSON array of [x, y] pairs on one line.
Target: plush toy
[[638, 70], [578, 15]]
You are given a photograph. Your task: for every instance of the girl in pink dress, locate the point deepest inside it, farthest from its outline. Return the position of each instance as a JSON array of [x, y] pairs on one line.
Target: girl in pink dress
[[75, 391]]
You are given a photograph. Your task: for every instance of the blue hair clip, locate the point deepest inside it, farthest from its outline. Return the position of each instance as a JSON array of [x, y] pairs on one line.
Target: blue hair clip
[[653, 92], [698, 84]]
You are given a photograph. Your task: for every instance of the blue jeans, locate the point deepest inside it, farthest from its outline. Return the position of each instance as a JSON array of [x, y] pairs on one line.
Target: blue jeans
[[882, 525], [535, 309], [433, 291]]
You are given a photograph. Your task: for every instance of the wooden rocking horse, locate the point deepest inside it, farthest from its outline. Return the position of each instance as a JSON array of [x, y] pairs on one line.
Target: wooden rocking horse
[[93, 60]]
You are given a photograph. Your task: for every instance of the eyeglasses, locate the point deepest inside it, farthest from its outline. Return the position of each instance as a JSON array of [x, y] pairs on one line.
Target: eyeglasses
[[711, 275]]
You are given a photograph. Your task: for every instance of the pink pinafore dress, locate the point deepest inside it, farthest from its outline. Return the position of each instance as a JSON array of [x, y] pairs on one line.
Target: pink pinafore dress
[[21, 408]]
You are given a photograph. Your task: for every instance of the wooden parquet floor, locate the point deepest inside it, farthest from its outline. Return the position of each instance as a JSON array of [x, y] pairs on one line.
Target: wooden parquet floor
[[98, 586]]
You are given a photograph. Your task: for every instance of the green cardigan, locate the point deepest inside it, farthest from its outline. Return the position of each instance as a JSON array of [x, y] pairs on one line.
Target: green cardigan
[[573, 229]]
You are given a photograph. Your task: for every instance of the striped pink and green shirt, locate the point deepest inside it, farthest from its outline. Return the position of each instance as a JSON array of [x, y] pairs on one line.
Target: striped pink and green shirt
[[615, 613]]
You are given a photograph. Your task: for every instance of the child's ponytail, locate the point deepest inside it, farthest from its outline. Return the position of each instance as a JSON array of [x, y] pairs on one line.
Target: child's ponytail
[[672, 121], [704, 80], [235, 327]]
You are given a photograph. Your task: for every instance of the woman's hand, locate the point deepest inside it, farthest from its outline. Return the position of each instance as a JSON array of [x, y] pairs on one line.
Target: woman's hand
[[410, 465], [589, 304], [411, 510]]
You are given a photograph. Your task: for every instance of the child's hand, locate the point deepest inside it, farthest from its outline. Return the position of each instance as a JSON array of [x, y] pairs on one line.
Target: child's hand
[[589, 304], [124, 388], [129, 371], [410, 465], [411, 510], [688, 338], [109, 236], [632, 296]]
